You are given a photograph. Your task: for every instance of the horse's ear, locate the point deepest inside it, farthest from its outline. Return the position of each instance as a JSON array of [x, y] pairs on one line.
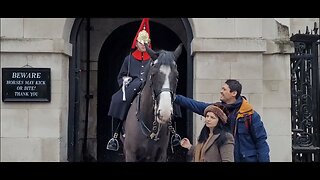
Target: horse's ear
[[152, 54], [178, 50]]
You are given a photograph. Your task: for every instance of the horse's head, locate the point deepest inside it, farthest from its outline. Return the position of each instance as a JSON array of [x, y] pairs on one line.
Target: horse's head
[[163, 76]]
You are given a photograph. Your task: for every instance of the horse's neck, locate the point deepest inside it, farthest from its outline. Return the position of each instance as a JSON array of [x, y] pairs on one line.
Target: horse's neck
[[146, 96], [146, 104]]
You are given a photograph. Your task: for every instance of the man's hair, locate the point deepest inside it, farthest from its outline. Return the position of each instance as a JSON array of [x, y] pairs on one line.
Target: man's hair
[[234, 85]]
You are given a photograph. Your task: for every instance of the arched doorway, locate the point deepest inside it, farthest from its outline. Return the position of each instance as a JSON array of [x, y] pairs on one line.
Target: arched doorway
[[99, 47]]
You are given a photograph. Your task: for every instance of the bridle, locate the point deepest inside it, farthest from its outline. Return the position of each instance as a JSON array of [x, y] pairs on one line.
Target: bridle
[[156, 127]]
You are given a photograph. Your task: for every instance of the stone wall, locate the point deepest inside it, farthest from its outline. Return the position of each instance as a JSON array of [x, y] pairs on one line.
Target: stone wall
[[36, 131], [255, 52]]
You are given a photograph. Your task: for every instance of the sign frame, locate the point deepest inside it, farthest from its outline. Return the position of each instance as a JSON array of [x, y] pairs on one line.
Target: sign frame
[[26, 84]]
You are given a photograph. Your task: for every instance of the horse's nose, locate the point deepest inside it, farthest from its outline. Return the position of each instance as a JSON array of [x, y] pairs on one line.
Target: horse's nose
[[163, 115]]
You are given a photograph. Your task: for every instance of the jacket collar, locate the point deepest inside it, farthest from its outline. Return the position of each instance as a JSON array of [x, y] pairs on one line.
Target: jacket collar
[[211, 141], [141, 56], [206, 145]]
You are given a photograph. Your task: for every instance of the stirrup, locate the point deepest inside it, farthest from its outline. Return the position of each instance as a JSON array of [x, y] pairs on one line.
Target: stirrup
[[113, 143]]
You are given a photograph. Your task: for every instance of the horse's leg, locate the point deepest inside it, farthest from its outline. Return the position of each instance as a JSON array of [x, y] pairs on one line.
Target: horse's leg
[[135, 155], [161, 155], [128, 150], [130, 127], [130, 157]]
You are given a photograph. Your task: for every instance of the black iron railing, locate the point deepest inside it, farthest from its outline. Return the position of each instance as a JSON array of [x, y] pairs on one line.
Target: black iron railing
[[305, 97]]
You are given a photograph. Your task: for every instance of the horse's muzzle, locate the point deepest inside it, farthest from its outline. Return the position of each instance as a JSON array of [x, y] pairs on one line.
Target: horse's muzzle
[[163, 116]]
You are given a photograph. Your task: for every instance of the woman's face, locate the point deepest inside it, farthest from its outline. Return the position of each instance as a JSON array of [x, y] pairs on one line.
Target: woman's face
[[211, 120]]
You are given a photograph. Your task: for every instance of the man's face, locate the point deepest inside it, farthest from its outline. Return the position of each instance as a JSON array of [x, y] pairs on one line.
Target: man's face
[[227, 96], [140, 46]]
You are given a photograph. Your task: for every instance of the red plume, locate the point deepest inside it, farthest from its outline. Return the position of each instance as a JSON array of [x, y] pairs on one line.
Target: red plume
[[144, 23]]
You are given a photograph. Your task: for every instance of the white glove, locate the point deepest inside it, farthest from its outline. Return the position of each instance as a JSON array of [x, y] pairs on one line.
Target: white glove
[[125, 82]]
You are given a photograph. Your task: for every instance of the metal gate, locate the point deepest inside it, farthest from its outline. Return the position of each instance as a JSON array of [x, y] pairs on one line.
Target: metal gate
[[305, 98]]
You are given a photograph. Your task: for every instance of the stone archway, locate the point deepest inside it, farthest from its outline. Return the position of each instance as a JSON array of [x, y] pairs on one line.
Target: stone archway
[[97, 56]]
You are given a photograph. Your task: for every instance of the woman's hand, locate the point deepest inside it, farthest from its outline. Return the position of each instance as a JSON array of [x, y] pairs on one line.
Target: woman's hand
[[185, 143]]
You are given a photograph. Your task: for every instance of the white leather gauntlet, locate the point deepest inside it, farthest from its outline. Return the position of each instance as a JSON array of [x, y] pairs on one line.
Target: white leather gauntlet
[[125, 82]]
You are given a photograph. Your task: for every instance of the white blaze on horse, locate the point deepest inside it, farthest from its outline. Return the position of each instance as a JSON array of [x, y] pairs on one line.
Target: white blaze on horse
[[165, 109], [148, 124]]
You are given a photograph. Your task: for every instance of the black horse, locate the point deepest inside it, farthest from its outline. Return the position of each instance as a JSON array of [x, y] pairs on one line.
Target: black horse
[[148, 123]]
